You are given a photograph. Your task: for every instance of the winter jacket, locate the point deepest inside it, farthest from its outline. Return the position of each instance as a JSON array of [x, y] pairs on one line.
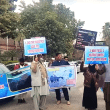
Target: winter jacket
[[88, 75]]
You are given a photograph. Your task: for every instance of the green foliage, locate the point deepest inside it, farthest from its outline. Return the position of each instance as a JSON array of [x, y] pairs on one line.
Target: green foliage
[[9, 54], [106, 33], [8, 19], [106, 30], [55, 22], [13, 7], [8, 62], [58, 37]]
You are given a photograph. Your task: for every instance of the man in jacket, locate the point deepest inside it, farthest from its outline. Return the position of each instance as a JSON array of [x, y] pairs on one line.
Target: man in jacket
[[60, 62], [21, 97]]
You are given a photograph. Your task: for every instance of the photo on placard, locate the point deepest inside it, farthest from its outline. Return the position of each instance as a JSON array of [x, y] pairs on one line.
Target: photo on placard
[[86, 38]]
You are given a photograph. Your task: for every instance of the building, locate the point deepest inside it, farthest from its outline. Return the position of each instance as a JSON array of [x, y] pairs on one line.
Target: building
[[10, 44]]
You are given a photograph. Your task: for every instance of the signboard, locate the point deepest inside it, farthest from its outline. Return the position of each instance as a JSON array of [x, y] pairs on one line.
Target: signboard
[[35, 46], [16, 82], [100, 43], [19, 81], [62, 76], [35, 37], [96, 55], [85, 38]]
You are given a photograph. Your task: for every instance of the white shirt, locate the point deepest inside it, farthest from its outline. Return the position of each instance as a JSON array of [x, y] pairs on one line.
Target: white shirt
[[21, 66]]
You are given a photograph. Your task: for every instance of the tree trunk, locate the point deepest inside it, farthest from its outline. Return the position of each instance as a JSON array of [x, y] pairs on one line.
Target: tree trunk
[[11, 58]]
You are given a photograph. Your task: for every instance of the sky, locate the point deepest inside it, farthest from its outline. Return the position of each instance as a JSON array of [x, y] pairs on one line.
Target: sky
[[95, 13]]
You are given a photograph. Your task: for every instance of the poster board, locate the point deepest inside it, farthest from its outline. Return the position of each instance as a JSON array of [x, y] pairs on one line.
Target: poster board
[[35, 46], [19, 81], [85, 38], [15, 82], [62, 76], [96, 55]]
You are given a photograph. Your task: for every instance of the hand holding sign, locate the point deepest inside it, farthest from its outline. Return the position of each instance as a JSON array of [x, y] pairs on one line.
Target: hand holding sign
[[82, 59], [96, 67]]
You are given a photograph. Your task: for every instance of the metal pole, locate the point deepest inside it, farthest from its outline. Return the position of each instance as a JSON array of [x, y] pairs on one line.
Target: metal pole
[[33, 58]]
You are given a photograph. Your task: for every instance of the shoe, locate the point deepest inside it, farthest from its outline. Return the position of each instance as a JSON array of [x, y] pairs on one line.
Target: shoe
[[58, 102], [23, 101], [19, 100], [68, 103]]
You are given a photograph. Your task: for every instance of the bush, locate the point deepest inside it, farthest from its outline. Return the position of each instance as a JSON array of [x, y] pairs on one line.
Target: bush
[[8, 62]]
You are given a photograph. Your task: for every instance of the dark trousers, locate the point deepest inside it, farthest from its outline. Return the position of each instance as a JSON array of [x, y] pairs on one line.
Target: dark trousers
[[107, 94], [65, 92]]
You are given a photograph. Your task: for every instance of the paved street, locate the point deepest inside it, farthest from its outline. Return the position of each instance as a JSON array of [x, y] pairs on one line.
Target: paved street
[[76, 94]]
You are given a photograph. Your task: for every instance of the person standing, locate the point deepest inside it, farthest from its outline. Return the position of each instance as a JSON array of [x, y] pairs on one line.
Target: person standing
[[66, 58], [60, 62], [40, 88], [106, 88], [21, 97], [91, 79], [101, 78]]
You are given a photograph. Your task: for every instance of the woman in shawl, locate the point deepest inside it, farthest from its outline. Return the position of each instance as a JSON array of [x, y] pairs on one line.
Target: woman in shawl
[[91, 78]]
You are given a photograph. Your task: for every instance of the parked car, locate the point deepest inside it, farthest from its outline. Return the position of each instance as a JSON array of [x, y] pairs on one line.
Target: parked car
[[14, 82], [11, 66], [3, 86], [77, 63], [3, 69]]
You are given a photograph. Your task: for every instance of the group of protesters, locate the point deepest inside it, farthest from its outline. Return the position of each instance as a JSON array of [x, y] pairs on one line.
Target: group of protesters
[[40, 87], [39, 83]]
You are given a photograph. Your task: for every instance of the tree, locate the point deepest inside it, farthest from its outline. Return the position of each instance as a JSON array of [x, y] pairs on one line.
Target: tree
[[66, 16], [106, 33], [58, 37], [106, 30], [45, 19], [13, 7], [11, 54], [8, 19]]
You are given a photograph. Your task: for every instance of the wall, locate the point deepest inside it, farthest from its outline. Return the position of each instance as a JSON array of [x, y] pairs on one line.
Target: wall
[[11, 45]]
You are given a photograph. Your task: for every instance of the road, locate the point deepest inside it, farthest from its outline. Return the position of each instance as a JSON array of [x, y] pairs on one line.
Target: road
[[76, 95]]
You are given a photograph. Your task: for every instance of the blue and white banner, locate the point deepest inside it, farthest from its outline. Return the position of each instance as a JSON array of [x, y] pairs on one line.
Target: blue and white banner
[[96, 55], [62, 76], [15, 82], [19, 81], [35, 46]]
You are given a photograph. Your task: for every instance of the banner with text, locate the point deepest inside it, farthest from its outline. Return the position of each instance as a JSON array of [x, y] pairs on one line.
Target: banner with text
[[35, 46], [16, 82], [96, 55], [85, 38], [62, 76], [19, 81]]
